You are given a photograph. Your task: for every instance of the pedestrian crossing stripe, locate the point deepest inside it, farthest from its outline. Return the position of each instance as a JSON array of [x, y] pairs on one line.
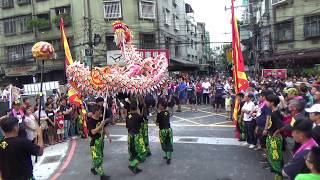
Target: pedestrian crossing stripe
[[187, 140]]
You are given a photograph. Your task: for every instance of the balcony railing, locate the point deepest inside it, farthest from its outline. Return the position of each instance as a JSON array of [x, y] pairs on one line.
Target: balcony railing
[[23, 2]]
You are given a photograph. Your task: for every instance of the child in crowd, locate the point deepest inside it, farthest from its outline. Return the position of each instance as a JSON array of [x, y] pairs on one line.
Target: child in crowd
[[59, 121], [228, 106], [165, 133]]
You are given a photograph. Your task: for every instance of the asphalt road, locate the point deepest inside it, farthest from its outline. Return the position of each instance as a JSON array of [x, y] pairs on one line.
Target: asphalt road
[[204, 149]]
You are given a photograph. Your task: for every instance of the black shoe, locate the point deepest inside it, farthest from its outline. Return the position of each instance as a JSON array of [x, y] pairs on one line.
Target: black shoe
[[133, 170], [148, 154], [104, 177], [93, 171], [164, 157], [138, 170], [168, 161]]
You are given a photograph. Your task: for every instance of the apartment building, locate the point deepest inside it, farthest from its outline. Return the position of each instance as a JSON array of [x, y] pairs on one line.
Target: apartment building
[[156, 24], [24, 22]]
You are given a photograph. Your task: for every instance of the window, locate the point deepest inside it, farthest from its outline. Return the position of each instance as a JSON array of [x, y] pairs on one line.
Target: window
[[177, 49], [147, 41], [21, 2], [7, 3], [18, 52], [112, 9], [167, 43], [312, 26], [111, 45], [9, 26], [166, 18], [147, 9], [284, 31], [175, 22], [63, 10], [22, 23]]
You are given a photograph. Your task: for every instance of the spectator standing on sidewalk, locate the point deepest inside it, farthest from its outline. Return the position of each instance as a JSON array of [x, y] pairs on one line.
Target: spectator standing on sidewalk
[[199, 90], [313, 163], [16, 152], [52, 129], [31, 124], [248, 109], [206, 91], [18, 113], [66, 111]]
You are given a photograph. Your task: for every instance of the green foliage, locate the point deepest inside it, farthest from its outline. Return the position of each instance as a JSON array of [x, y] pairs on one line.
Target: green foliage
[[66, 18], [224, 54], [38, 23]]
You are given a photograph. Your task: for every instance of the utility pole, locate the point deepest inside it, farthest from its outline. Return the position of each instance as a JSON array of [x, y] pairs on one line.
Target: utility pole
[[89, 18]]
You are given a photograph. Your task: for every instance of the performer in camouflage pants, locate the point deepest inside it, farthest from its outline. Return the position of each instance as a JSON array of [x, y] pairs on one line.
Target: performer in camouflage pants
[[145, 136], [97, 130], [136, 146], [165, 133], [166, 140]]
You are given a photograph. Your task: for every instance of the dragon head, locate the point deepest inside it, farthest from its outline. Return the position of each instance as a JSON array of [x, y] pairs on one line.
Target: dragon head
[[122, 33]]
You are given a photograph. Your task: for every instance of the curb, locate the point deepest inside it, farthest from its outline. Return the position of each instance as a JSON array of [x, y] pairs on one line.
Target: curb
[[66, 161]]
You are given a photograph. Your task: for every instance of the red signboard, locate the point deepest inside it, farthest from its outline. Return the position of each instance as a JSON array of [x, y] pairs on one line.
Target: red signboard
[[145, 53], [279, 73]]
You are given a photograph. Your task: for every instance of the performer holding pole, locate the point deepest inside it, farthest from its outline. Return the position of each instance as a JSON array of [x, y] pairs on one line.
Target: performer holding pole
[[97, 129], [165, 133], [136, 147]]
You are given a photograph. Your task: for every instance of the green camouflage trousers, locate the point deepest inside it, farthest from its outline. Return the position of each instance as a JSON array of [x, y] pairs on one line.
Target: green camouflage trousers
[[242, 128], [275, 158], [166, 140], [136, 149], [97, 156], [144, 133]]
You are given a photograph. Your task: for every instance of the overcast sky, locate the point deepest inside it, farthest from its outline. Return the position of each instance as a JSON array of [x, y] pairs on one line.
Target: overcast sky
[[217, 19]]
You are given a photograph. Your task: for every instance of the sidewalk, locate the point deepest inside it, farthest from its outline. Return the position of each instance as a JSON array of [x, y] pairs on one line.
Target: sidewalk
[[50, 161]]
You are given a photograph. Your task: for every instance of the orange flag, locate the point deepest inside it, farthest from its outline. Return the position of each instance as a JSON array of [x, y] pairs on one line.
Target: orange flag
[[64, 40], [240, 78]]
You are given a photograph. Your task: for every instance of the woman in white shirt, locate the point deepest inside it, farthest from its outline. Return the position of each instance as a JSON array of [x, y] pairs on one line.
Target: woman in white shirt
[[31, 124], [247, 110]]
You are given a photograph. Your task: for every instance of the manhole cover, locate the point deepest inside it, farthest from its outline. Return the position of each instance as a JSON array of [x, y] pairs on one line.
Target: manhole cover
[[188, 139], [51, 159]]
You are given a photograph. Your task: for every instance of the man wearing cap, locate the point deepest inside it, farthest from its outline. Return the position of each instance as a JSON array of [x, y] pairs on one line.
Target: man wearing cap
[[314, 113], [301, 133], [15, 152]]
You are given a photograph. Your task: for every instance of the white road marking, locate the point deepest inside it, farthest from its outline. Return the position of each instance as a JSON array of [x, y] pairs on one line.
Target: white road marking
[[185, 140], [44, 171]]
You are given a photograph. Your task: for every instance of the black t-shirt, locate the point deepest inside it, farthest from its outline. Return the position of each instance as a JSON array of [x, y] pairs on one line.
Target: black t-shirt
[[92, 124], [163, 118], [275, 122], [219, 90], [316, 134], [133, 123], [64, 108], [50, 115], [15, 158], [190, 91]]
